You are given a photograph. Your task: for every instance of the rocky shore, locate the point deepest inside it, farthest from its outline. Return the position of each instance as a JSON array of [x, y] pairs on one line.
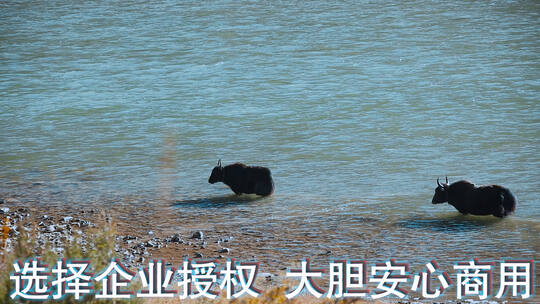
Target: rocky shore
[[140, 235], [59, 228]]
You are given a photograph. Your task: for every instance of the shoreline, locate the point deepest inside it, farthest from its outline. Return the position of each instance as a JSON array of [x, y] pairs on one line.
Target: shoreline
[[60, 224], [137, 239]]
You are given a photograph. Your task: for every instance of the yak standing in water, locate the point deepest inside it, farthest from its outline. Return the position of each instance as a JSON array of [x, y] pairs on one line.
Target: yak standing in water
[[244, 179], [483, 200]]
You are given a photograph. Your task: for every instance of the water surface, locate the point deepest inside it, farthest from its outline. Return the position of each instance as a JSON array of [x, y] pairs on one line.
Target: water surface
[[356, 107]]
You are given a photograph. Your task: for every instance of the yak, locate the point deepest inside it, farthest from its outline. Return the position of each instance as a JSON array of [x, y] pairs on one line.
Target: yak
[[244, 179], [469, 199]]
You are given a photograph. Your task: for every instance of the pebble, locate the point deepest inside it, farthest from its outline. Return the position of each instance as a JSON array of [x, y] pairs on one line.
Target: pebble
[[198, 235], [176, 238], [83, 223], [224, 250], [129, 238], [198, 255], [266, 275]]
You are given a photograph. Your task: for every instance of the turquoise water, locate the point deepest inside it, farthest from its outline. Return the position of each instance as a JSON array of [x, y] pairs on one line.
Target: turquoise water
[[356, 107]]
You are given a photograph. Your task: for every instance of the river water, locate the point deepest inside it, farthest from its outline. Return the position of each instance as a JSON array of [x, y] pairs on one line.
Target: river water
[[356, 107]]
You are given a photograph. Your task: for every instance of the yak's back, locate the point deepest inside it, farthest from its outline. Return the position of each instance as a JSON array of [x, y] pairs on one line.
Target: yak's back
[[248, 179], [259, 173], [234, 173], [461, 186], [255, 171], [235, 168], [489, 199], [458, 193]]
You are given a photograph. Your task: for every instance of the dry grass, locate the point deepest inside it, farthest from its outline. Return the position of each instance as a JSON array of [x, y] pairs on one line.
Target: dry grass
[[98, 248]]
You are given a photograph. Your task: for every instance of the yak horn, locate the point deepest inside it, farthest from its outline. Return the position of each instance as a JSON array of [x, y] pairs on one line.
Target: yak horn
[[438, 184], [219, 163], [447, 180]]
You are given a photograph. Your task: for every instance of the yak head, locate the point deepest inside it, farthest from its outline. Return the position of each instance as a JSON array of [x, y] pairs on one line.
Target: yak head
[[441, 193], [217, 174]]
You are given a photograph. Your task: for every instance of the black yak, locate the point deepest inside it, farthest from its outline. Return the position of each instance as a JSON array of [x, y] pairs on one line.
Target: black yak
[[483, 200], [244, 179]]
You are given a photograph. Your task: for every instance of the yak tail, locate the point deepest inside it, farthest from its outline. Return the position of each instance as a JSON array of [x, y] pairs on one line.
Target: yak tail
[[508, 201]]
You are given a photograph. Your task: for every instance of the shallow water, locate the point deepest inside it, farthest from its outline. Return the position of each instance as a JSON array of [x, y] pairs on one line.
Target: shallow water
[[356, 108]]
